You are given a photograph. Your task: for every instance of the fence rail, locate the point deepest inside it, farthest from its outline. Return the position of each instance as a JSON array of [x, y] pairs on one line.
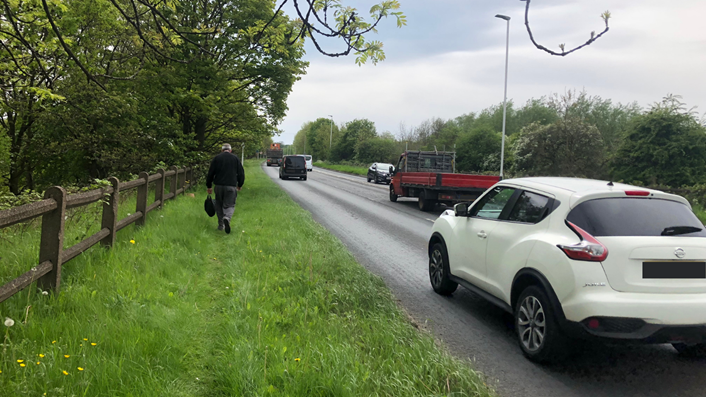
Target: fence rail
[[52, 255]]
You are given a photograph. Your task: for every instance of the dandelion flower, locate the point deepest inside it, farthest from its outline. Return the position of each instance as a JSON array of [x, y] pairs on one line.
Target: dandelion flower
[[22, 365], [52, 342], [66, 355], [64, 372], [80, 369], [38, 362], [9, 322], [20, 361], [85, 339], [93, 344], [132, 241], [41, 355], [297, 359]]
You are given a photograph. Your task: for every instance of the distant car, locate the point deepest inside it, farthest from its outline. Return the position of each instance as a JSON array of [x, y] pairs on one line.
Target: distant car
[[579, 258], [380, 172], [309, 163], [293, 167]]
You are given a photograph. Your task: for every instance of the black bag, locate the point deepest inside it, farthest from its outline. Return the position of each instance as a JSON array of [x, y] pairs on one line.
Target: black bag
[[209, 207]]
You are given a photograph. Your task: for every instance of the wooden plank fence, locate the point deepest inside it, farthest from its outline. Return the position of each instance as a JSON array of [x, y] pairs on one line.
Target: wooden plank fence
[[52, 255]]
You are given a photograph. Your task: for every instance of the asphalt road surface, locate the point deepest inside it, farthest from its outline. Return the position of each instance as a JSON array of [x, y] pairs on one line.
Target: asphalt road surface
[[390, 240]]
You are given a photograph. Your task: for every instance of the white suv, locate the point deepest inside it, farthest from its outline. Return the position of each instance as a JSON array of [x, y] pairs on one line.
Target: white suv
[[582, 258]]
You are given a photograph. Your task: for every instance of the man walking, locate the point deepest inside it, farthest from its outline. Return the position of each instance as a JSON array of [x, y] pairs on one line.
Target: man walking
[[227, 173]]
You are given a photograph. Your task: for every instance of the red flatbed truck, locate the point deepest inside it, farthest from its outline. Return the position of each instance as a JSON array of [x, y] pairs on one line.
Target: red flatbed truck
[[431, 177]]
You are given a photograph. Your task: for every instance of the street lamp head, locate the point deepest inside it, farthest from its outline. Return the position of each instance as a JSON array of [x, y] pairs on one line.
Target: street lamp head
[[505, 17]]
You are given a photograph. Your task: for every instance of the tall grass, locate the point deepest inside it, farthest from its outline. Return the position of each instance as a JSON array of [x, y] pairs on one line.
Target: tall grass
[[278, 307]]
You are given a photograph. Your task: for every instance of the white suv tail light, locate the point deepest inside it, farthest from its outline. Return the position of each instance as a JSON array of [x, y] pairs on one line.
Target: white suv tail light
[[588, 249]]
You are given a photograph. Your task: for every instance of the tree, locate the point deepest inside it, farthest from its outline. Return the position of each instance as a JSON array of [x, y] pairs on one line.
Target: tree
[[569, 147], [593, 37], [376, 149], [353, 132], [479, 150], [665, 146], [610, 119], [318, 136]]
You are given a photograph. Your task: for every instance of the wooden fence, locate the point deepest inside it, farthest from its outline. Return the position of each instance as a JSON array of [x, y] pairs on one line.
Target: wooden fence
[[52, 254]]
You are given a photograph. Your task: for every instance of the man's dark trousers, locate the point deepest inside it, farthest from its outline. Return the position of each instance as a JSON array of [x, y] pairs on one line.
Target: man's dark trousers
[[225, 202]]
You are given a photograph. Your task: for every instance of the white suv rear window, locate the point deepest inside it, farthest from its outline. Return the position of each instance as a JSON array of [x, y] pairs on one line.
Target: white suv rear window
[[636, 217]]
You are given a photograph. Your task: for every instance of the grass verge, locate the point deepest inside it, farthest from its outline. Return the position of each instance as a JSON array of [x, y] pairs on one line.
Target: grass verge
[[278, 307], [348, 169]]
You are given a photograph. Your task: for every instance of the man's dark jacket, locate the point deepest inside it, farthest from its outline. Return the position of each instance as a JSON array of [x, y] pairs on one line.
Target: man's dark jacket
[[225, 170]]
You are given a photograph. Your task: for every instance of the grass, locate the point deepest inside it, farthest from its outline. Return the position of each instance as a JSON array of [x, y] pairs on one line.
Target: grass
[[278, 307], [349, 169]]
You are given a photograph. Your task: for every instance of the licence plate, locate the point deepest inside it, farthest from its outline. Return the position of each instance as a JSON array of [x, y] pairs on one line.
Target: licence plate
[[673, 269]]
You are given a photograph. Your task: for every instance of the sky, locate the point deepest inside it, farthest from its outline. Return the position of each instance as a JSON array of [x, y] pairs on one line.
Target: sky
[[449, 60]]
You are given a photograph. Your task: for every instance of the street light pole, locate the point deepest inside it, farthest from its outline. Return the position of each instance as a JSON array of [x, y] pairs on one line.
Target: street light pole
[[507, 58], [330, 137]]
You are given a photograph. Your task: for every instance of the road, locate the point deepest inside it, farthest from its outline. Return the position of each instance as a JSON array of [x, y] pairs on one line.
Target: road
[[390, 240]]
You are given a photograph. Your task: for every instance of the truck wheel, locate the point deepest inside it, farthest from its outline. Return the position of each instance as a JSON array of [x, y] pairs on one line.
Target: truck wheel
[[393, 196], [426, 204], [439, 271]]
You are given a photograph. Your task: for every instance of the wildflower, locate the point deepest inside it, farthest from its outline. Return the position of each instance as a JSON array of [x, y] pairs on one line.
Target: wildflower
[[22, 365], [132, 241], [297, 359], [80, 369], [9, 322], [66, 355], [85, 339], [52, 342], [38, 362], [93, 344], [45, 292], [41, 355], [20, 361], [64, 372]]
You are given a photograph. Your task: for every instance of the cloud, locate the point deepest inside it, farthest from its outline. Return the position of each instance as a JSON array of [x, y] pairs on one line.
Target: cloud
[[450, 59]]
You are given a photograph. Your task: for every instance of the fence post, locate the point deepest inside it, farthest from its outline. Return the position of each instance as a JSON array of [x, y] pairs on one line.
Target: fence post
[[183, 181], [188, 178], [173, 181], [142, 193], [110, 213], [51, 246], [159, 188]]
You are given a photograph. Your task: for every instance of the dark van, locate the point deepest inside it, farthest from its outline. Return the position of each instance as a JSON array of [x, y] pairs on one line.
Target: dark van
[[293, 167]]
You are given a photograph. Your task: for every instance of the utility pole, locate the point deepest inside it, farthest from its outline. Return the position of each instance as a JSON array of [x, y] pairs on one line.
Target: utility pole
[[507, 57]]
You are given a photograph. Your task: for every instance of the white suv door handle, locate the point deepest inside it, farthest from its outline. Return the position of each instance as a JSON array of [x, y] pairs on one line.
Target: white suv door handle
[[482, 234]]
